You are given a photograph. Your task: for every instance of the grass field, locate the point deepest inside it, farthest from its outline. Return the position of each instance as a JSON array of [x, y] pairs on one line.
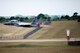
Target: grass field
[[42, 47], [58, 30], [6, 30], [41, 50]]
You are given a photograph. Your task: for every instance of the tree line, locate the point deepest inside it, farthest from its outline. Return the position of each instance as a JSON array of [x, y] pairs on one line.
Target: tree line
[[75, 16], [23, 19]]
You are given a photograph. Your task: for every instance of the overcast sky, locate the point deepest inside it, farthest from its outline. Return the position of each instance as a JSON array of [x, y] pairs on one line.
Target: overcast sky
[[34, 7]]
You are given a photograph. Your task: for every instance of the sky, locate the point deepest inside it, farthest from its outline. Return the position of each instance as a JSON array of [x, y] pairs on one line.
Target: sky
[[35, 7]]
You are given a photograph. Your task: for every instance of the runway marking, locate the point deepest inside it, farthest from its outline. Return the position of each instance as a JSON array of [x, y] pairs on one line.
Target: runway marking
[[36, 40]]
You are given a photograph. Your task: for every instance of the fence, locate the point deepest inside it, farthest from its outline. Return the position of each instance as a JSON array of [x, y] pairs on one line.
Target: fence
[[11, 37]]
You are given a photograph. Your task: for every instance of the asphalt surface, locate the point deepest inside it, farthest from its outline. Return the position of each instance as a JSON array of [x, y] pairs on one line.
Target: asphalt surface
[[30, 33], [35, 30]]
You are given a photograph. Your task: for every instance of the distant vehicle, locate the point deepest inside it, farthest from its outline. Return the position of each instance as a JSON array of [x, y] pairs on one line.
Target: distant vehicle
[[17, 23]]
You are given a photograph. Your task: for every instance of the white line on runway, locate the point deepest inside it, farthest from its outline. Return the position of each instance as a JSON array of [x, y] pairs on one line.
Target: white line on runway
[[39, 40]]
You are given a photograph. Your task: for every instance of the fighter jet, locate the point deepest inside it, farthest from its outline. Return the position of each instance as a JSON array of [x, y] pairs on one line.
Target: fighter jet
[[35, 22]]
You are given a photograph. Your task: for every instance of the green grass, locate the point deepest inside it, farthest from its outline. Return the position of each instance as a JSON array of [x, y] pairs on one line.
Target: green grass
[[22, 45], [40, 47], [58, 30]]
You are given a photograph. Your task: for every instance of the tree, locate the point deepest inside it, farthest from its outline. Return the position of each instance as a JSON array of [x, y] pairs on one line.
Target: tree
[[12, 17], [26, 18], [75, 16], [78, 18], [40, 16], [17, 17], [62, 17], [67, 17], [30, 19], [21, 19], [2, 19]]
